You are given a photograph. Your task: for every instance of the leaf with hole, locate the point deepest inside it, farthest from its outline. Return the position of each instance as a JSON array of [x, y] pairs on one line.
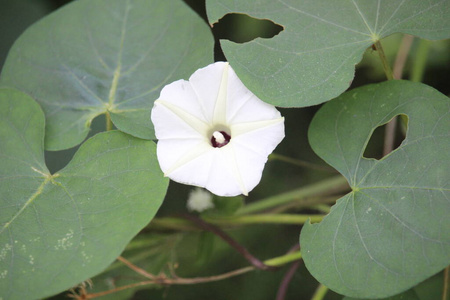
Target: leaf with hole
[[313, 59], [59, 229], [106, 56], [392, 231]]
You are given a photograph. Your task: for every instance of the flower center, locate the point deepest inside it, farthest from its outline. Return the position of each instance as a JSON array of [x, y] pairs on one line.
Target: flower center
[[220, 139]]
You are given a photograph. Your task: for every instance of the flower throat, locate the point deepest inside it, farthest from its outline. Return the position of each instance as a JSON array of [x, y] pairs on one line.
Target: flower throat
[[220, 139]]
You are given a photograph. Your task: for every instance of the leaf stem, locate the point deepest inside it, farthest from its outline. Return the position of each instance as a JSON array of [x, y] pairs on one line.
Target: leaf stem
[[284, 259], [386, 67], [389, 136], [402, 55], [109, 124], [300, 163], [281, 294], [399, 65], [420, 60], [317, 203], [320, 292], [333, 184]]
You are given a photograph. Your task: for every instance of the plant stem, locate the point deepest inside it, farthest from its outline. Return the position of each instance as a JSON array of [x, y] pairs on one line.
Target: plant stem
[[141, 256], [284, 259], [399, 65], [402, 55], [228, 239], [300, 163], [323, 208], [386, 67], [115, 290], [109, 124], [420, 60], [317, 203], [136, 268], [337, 183], [176, 223], [275, 262], [446, 283], [266, 219], [389, 136], [320, 292], [281, 294]]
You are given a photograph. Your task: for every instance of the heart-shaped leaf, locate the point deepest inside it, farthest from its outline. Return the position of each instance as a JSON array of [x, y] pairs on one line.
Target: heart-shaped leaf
[[313, 59], [59, 229], [393, 230], [106, 56]]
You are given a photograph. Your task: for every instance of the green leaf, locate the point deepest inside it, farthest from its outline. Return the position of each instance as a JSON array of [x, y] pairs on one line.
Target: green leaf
[[313, 59], [408, 295], [106, 56], [392, 230], [430, 289], [59, 229]]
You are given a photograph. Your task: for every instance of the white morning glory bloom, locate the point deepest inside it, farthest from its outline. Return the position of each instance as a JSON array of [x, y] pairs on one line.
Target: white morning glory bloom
[[213, 132]]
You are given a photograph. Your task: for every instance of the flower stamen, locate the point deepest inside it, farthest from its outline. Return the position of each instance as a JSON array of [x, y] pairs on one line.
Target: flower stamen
[[220, 139]]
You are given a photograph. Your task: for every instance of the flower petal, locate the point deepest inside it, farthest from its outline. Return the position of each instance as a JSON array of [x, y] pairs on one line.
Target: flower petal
[[220, 109], [244, 106], [174, 154], [197, 163], [263, 140], [253, 110], [181, 94], [210, 170], [206, 83], [169, 116], [252, 149], [244, 128], [225, 178]]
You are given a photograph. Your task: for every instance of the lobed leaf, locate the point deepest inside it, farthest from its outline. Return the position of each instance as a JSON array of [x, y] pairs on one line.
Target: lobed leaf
[[392, 231], [313, 59], [106, 56], [57, 230]]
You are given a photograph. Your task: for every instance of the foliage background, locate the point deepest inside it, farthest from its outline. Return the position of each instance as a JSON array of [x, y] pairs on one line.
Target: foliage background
[[194, 260]]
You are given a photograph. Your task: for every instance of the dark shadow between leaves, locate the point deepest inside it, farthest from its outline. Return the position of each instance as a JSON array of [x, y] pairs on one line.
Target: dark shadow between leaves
[[241, 28], [57, 160], [387, 137]]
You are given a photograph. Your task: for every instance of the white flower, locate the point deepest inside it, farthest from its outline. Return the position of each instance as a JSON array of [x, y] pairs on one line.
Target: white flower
[[213, 132], [199, 200]]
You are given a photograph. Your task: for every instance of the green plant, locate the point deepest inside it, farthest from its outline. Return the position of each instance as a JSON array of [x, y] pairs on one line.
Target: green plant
[[381, 227]]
